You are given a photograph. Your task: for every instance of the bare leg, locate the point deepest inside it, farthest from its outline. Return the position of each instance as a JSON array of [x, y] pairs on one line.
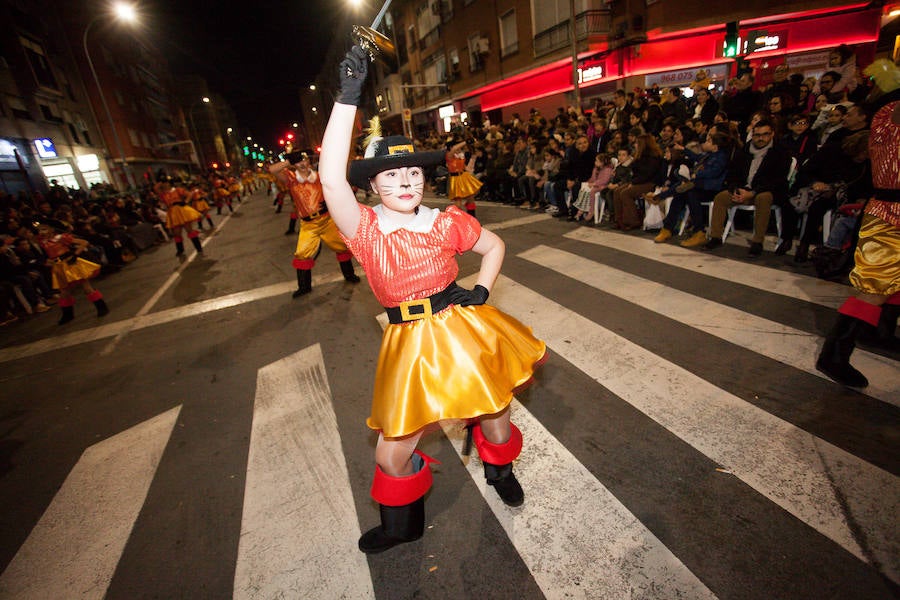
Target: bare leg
[[394, 455]]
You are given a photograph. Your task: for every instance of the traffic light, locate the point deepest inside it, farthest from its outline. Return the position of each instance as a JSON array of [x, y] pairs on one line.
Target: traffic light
[[730, 49], [246, 150]]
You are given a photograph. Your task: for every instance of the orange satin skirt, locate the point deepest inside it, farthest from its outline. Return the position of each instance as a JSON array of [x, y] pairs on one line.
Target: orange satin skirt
[[877, 257], [463, 362], [201, 206], [178, 216], [65, 274], [463, 185]]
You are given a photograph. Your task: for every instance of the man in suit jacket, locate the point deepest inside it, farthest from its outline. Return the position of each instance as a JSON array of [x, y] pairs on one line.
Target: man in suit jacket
[[759, 176]]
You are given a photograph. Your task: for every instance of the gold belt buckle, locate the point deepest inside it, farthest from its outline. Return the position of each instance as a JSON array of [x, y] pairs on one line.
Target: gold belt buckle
[[425, 303]]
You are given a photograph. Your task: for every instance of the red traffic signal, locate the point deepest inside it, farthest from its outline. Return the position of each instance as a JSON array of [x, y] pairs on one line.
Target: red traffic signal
[[281, 142], [290, 136]]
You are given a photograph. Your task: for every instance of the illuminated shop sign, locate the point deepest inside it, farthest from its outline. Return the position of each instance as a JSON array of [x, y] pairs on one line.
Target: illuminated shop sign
[[45, 148], [590, 72], [446, 111], [765, 41]]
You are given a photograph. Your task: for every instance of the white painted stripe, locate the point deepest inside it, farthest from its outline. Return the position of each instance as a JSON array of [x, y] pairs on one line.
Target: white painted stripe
[[528, 219], [159, 318], [769, 338], [73, 550], [576, 538], [798, 471], [804, 287], [299, 526]]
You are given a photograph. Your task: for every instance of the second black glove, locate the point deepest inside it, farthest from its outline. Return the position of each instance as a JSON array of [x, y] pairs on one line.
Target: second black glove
[[463, 297], [352, 74]]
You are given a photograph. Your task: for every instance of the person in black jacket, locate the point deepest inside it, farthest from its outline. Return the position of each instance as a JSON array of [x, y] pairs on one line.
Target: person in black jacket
[[758, 176], [648, 168]]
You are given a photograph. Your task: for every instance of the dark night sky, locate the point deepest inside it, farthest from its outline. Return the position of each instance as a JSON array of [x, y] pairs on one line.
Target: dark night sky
[[256, 54]]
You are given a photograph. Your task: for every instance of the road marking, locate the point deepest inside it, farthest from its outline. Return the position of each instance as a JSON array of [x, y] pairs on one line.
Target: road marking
[[299, 525], [798, 471], [769, 338], [576, 538], [73, 550], [803, 287]]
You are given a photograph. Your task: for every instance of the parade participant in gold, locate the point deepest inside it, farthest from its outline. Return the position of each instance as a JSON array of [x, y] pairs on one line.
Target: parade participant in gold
[[445, 355], [199, 203], [462, 185], [876, 273], [69, 270], [179, 216], [316, 228]]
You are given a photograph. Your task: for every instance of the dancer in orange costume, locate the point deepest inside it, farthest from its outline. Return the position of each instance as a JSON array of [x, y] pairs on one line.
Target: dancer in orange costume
[[445, 354], [179, 216], [70, 270], [199, 203], [317, 227], [462, 185]]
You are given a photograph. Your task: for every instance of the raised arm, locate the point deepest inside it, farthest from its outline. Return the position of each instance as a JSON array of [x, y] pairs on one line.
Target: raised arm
[[339, 197]]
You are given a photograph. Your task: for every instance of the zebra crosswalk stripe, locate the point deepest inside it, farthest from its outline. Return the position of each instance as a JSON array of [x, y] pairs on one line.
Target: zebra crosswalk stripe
[[803, 474], [760, 335]]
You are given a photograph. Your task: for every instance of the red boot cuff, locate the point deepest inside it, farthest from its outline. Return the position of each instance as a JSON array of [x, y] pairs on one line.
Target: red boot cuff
[[399, 491], [304, 264], [70, 301], [893, 299], [344, 256], [94, 296], [498, 454], [858, 309]]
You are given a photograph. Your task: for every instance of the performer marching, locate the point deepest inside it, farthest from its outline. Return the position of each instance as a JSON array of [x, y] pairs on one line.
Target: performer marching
[[445, 354], [179, 216], [876, 273], [462, 185], [317, 227], [70, 270], [199, 203]]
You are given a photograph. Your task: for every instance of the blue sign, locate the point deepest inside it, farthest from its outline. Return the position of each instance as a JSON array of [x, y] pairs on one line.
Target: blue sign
[[45, 148]]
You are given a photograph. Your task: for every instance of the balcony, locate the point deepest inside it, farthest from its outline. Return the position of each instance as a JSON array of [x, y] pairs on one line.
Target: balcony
[[589, 24]]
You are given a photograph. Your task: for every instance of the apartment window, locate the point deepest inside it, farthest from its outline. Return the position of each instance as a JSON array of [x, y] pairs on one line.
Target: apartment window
[[548, 13], [133, 137], [509, 33], [119, 98], [145, 139], [74, 133], [18, 108], [479, 47], [40, 67], [453, 55]]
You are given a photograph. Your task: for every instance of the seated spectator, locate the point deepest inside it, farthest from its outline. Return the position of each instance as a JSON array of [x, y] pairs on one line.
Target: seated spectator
[[706, 107], [548, 173], [757, 176], [647, 170], [708, 172], [834, 120], [517, 170], [800, 140], [601, 175], [527, 183], [678, 175], [621, 176]]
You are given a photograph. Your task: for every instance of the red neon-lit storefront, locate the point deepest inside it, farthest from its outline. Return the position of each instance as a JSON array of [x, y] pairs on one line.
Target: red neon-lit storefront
[[800, 39]]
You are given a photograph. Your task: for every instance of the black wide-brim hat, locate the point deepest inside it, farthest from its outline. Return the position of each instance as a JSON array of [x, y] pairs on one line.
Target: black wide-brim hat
[[391, 152]]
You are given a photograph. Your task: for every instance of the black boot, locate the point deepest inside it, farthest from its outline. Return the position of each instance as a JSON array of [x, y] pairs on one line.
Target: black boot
[[885, 335], [304, 282], [291, 226], [196, 241], [102, 309], [802, 253], [179, 248], [68, 313], [834, 360], [347, 271], [211, 226], [399, 525], [505, 482]]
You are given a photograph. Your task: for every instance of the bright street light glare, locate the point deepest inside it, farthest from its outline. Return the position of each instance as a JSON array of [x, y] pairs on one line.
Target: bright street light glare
[[312, 87], [125, 12], [205, 99]]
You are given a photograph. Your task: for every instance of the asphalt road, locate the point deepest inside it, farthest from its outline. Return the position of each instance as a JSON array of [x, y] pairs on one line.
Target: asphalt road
[[207, 438]]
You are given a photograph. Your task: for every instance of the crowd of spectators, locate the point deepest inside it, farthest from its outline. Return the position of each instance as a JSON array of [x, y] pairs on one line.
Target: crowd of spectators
[[681, 148], [118, 227]]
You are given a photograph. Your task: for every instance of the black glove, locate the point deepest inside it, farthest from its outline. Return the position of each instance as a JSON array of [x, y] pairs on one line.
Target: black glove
[[463, 297], [352, 73]]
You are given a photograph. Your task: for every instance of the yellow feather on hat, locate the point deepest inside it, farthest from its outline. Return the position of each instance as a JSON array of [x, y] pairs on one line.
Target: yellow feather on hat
[[885, 73], [374, 132]]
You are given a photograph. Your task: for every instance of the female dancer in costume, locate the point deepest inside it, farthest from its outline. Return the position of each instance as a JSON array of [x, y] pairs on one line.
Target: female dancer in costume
[[70, 270], [179, 216], [462, 185], [445, 354]]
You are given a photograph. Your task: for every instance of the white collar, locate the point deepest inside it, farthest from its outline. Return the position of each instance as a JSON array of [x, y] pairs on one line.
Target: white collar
[[421, 223], [311, 179]]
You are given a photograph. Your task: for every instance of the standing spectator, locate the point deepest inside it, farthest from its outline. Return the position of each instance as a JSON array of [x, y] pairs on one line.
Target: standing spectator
[[741, 100], [706, 107]]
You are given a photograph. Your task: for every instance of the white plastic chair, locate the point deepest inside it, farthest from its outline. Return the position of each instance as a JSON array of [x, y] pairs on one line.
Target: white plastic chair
[[599, 207], [729, 225]]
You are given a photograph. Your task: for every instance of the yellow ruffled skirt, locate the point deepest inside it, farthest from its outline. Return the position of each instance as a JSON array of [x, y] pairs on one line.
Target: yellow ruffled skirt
[[463, 185], [201, 206], [877, 257], [178, 215], [463, 362], [65, 273]]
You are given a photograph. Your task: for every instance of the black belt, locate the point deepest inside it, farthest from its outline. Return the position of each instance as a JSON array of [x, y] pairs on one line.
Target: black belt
[[179, 204], [421, 309], [455, 174], [315, 215], [887, 195]]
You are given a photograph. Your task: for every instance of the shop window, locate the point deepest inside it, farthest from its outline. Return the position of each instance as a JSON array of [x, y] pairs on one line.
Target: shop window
[[509, 33], [40, 66]]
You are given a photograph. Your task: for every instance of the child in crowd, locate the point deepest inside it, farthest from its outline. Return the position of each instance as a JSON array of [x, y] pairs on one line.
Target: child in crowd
[[600, 178]]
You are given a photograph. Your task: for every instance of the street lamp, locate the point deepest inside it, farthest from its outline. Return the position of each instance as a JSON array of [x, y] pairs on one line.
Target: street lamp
[[204, 100], [123, 12]]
